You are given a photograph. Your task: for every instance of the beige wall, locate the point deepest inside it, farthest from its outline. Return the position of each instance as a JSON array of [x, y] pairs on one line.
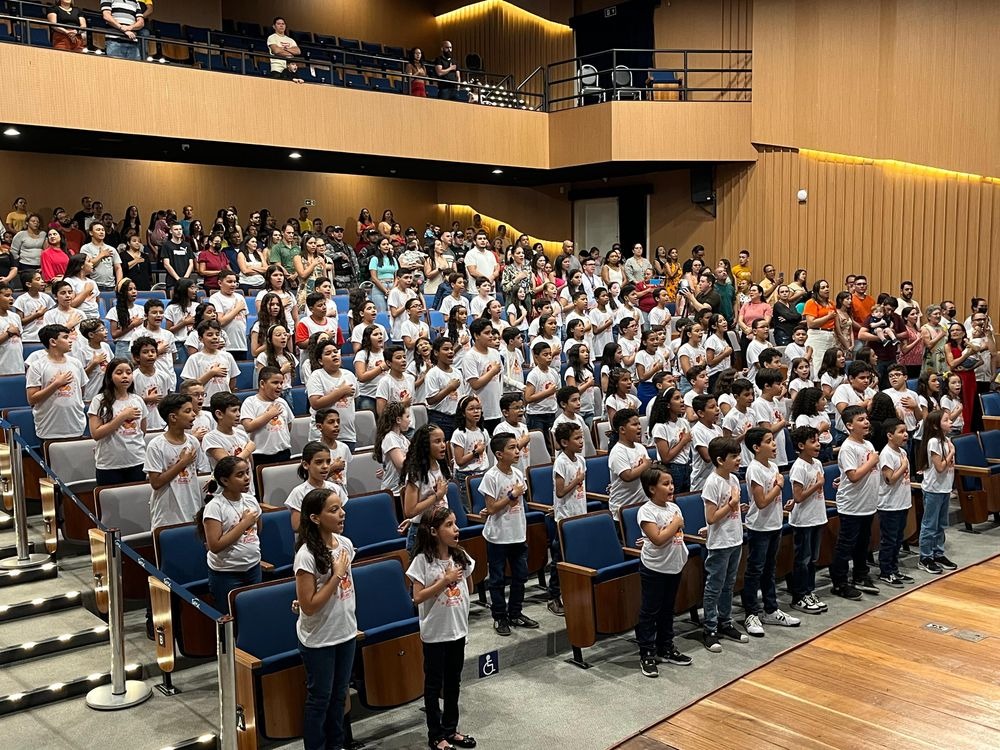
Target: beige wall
[[194, 12], [912, 80]]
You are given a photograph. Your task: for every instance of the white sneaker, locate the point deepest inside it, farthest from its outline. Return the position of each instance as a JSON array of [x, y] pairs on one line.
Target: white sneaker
[[780, 618], [817, 601], [805, 604], [753, 626]]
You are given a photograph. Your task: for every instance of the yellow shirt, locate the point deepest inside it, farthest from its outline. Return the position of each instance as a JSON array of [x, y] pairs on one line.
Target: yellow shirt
[[305, 225], [17, 220], [738, 269]]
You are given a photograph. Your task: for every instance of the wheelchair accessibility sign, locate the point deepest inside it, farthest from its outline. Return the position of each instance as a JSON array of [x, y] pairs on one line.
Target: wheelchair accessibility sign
[[489, 664]]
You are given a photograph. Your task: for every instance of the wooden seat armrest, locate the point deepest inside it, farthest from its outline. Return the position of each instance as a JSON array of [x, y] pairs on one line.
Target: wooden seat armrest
[[695, 539], [598, 496], [976, 471], [266, 566], [831, 503], [565, 567], [631, 551], [477, 517], [248, 661], [993, 460], [271, 508], [360, 636], [542, 507]]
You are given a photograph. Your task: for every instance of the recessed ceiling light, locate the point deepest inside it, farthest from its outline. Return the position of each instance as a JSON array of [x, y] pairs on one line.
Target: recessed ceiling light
[[12, 131], [497, 171], [295, 155]]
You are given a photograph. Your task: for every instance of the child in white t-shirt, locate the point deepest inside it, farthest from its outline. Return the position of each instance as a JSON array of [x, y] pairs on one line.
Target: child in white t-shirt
[[54, 384], [213, 367], [314, 470], [626, 461], [267, 418], [807, 518], [92, 349], [670, 432], [893, 501], [173, 460], [228, 438], [327, 423], [391, 444], [738, 420], [770, 410], [706, 408], [469, 443], [232, 309], [117, 424], [331, 386], [32, 305], [569, 497], [151, 384], [11, 351], [397, 385], [937, 457]]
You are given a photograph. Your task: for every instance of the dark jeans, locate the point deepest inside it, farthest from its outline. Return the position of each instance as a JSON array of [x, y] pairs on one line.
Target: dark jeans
[[806, 541], [891, 524], [655, 628], [445, 421], [266, 459], [328, 673], [541, 422], [721, 566], [762, 551], [555, 550], [221, 582], [129, 474], [498, 555], [492, 424], [852, 544], [448, 93], [681, 474], [442, 679]]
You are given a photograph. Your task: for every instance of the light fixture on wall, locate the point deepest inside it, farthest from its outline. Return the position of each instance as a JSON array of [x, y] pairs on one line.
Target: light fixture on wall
[[802, 195], [12, 132], [497, 171], [295, 155]]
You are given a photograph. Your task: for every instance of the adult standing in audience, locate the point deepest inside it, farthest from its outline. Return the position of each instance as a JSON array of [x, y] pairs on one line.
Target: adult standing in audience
[[785, 316], [517, 275], [567, 261], [343, 258], [934, 334], [769, 284], [211, 263], [819, 314], [125, 17], [27, 245], [911, 344], [417, 71], [979, 306], [635, 267], [672, 274], [135, 262], [480, 263], [725, 285], [861, 304], [17, 219], [590, 281], [178, 258], [983, 338], [9, 272], [447, 72], [187, 216], [281, 47], [612, 271], [742, 264], [85, 215], [382, 269], [949, 313], [439, 263], [285, 251], [104, 258], [906, 298]]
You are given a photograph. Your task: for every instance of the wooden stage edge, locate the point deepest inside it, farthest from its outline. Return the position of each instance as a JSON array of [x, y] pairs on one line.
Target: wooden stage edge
[[880, 679]]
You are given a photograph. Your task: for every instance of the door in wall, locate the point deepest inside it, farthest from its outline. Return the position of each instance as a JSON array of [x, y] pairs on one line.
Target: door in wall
[[595, 224]]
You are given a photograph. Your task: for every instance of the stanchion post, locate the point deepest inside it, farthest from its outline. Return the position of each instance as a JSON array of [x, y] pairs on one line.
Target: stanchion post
[[227, 684], [121, 693], [25, 558]]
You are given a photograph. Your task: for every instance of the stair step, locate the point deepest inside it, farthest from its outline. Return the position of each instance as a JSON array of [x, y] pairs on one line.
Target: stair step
[[45, 626]]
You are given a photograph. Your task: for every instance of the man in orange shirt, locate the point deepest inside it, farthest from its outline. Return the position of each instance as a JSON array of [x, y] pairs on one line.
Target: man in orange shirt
[[861, 303]]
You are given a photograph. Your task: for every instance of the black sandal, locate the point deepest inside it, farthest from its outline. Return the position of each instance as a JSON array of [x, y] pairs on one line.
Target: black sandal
[[466, 741], [435, 745]]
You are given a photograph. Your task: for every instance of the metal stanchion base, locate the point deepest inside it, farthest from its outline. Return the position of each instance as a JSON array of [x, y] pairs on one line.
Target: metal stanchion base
[[32, 561], [102, 699]]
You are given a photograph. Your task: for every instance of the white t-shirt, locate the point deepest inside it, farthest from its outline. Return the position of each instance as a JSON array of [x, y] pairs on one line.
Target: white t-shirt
[[948, 404], [134, 312], [287, 301], [793, 351], [466, 440], [435, 382], [164, 361], [605, 337], [88, 308], [844, 394], [393, 390], [925, 405], [275, 436], [320, 383], [413, 331], [629, 347], [762, 411], [398, 298], [769, 518], [451, 301], [370, 359], [892, 496], [797, 385], [833, 384], [935, 481], [61, 414], [477, 304], [738, 422], [125, 446], [199, 363], [665, 558], [278, 64], [391, 481], [179, 500], [696, 354], [726, 399], [25, 304], [473, 367], [336, 622], [85, 354], [648, 362], [145, 385], [717, 345], [574, 503], [419, 386], [513, 370], [701, 436], [236, 329], [817, 421], [11, 350], [658, 316], [909, 418], [623, 459], [519, 431], [856, 498], [484, 261], [616, 402], [671, 433], [446, 617], [297, 495], [507, 526], [260, 362], [173, 314], [542, 381], [812, 510], [244, 553], [754, 348], [728, 530], [232, 445], [425, 489]]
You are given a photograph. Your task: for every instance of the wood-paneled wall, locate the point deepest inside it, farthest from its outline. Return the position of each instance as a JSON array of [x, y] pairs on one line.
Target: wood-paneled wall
[[913, 80], [206, 13], [890, 223]]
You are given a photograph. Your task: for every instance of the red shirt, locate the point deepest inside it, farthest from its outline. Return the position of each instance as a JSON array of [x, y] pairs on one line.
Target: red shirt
[[213, 262]]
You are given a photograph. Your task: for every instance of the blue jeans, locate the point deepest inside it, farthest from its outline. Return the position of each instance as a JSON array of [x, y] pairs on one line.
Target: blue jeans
[[445, 421], [762, 551], [891, 524], [123, 49], [852, 545], [655, 629], [221, 582], [721, 566], [328, 673], [806, 541], [933, 524], [498, 555], [646, 392], [463, 490], [681, 474], [378, 299]]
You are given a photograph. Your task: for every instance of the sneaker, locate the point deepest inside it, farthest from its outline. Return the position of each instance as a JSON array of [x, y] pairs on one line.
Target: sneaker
[[521, 621], [729, 631], [675, 657], [817, 601], [847, 591], [648, 666], [780, 618], [555, 606], [805, 604], [945, 563], [753, 626], [891, 580], [928, 565], [903, 577], [502, 627], [712, 641], [867, 585]]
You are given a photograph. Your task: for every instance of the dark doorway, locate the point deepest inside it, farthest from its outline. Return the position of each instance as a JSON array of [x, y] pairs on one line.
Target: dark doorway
[[627, 25]]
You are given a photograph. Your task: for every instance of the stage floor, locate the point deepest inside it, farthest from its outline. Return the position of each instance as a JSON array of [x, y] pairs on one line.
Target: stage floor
[[892, 678]]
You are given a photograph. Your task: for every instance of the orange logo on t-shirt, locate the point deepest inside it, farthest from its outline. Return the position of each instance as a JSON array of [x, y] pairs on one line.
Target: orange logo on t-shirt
[[130, 427], [275, 424]]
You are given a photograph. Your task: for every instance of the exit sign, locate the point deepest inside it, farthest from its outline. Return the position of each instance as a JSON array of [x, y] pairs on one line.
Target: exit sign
[[609, 12]]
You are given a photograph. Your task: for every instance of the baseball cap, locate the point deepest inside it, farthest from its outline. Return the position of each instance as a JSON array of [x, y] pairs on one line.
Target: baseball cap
[[337, 228]]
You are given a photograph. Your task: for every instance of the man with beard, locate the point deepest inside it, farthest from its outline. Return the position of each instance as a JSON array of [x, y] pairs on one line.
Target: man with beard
[[343, 257], [446, 70]]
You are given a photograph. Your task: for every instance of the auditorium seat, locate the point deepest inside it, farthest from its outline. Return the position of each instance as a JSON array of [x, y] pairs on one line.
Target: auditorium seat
[[277, 543], [470, 536], [990, 403], [361, 477], [14, 391], [181, 557], [991, 445], [275, 481], [370, 523], [364, 425], [600, 586], [598, 478], [300, 434], [538, 449], [977, 481]]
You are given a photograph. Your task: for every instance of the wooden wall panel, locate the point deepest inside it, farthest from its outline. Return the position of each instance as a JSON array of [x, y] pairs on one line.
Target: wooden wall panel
[[689, 131], [891, 223], [194, 12]]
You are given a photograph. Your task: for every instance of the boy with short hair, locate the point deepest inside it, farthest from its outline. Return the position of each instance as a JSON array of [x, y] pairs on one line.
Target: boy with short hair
[[32, 305], [398, 296], [512, 359], [317, 320], [482, 371], [512, 408], [328, 424], [213, 367], [908, 408], [697, 376], [54, 385], [738, 420], [11, 351], [150, 382], [505, 531], [724, 542], [92, 349], [626, 461], [540, 390], [851, 393], [173, 459], [569, 498], [267, 418], [797, 347], [63, 313], [770, 410], [232, 311], [484, 287], [166, 344], [893, 502], [568, 399], [807, 518], [706, 429], [228, 438], [857, 501], [763, 522]]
